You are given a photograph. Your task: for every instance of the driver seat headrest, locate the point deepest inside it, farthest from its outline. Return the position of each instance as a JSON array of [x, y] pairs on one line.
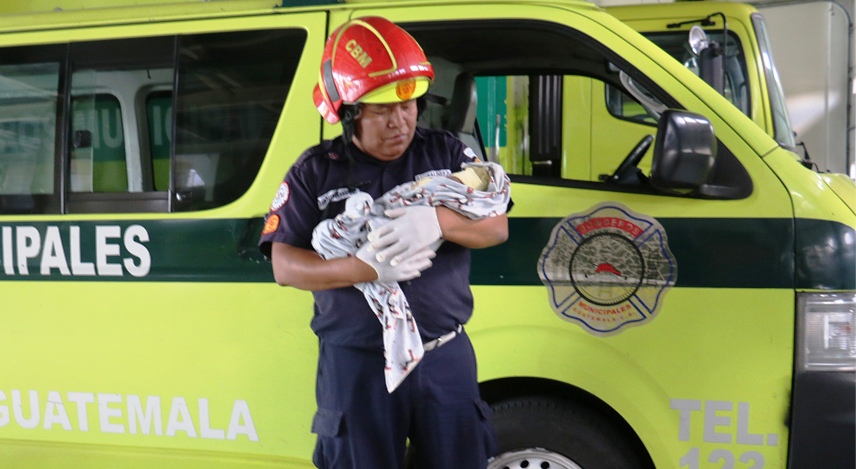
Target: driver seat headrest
[[460, 115]]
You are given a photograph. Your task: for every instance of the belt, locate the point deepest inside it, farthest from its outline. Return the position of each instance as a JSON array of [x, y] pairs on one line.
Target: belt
[[440, 341]]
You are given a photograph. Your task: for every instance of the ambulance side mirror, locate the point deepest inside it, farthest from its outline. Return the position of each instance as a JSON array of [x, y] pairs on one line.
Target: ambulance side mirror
[[683, 152]]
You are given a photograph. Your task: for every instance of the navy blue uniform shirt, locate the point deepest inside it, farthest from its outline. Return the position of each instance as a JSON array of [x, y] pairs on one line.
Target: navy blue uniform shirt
[[316, 187]]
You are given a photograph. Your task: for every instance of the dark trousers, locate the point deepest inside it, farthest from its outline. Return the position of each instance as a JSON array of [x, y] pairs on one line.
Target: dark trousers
[[437, 408]]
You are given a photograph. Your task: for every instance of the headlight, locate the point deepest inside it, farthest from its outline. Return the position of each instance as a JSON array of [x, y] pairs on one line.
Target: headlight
[[826, 331]]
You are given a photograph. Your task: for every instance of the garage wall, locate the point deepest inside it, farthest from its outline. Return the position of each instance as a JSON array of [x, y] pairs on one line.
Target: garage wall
[[811, 48]]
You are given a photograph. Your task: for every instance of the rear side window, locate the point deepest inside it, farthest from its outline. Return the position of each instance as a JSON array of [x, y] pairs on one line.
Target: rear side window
[[98, 164], [159, 124], [231, 90], [28, 132]]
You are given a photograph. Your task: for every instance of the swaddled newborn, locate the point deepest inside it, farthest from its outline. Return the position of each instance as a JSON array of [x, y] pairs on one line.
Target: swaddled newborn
[[478, 191]]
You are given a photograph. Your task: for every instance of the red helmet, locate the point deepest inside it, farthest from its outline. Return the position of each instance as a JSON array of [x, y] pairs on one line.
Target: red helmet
[[370, 60]]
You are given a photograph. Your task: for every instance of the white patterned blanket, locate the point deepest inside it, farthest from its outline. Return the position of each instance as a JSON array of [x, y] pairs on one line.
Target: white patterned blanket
[[481, 190]]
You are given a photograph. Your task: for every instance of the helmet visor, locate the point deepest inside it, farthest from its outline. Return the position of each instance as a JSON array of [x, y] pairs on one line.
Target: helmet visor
[[398, 91]]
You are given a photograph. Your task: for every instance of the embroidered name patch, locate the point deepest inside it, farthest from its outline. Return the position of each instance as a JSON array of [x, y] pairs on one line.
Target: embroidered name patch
[[281, 197]]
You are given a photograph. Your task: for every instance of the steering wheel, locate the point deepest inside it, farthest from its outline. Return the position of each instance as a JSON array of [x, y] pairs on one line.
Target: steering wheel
[[632, 159]]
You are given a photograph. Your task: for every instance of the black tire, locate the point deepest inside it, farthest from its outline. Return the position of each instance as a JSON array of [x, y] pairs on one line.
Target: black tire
[[538, 432]]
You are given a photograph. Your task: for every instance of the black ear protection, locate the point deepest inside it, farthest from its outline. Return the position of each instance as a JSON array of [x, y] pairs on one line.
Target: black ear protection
[[347, 114]]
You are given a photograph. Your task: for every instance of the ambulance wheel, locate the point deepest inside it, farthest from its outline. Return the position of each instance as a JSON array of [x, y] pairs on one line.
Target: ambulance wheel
[[538, 432]]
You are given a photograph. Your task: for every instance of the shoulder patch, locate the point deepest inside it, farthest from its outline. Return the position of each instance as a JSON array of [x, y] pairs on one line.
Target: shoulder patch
[[271, 224], [281, 197], [471, 154]]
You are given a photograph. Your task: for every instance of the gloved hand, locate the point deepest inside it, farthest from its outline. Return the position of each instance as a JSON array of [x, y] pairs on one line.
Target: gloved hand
[[407, 268], [411, 229]]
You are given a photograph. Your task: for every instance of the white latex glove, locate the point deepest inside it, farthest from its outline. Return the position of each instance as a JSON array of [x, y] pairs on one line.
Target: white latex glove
[[407, 269], [411, 230]]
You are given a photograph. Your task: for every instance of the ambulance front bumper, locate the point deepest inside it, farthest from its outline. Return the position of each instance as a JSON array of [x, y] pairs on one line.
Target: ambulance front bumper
[[823, 420]]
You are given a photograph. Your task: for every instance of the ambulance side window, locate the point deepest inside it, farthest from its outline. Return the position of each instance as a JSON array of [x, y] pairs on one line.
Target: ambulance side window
[[29, 104], [231, 90], [153, 124], [541, 108], [562, 126], [108, 161], [553, 105]]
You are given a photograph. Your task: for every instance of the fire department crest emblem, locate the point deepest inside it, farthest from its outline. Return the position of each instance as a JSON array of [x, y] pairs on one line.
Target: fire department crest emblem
[[607, 268]]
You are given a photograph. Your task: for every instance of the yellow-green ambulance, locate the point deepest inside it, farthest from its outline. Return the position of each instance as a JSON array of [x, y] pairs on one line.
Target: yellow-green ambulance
[[696, 310]]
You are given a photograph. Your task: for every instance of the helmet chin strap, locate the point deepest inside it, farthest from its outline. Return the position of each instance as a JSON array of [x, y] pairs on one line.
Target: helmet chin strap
[[347, 115]]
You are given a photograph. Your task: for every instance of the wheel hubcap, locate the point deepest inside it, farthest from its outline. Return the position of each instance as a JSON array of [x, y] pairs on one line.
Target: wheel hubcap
[[532, 458]]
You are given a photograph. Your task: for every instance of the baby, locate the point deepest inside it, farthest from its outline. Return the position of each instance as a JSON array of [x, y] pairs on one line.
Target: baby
[[478, 191]]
